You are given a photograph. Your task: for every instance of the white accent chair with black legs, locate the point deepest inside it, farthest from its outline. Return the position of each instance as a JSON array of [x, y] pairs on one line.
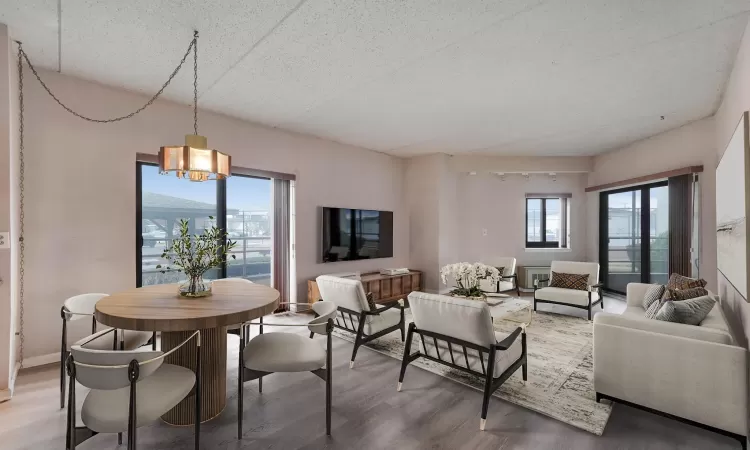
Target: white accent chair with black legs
[[270, 353], [82, 307], [129, 389], [458, 333], [583, 295], [508, 281], [356, 315]]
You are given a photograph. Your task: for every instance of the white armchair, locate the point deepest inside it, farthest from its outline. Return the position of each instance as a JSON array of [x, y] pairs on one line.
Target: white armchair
[[355, 314], [583, 299], [458, 333], [508, 279]]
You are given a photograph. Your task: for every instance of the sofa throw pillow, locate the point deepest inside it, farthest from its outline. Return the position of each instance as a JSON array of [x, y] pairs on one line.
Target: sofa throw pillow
[[691, 311], [570, 281], [653, 308], [371, 302], [680, 282], [653, 294], [685, 294]]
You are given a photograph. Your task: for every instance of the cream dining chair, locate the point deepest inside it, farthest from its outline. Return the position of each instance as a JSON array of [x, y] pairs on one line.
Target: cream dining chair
[[129, 389], [83, 306], [275, 352]]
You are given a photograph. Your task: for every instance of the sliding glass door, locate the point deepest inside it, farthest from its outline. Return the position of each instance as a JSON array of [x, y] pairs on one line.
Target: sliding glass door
[[241, 205], [634, 236]]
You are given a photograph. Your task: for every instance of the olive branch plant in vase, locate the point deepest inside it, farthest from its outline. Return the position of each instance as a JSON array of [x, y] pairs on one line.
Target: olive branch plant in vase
[[467, 277], [194, 255]]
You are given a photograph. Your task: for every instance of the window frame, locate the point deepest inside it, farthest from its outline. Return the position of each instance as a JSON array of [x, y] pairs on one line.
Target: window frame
[[543, 243], [221, 215]]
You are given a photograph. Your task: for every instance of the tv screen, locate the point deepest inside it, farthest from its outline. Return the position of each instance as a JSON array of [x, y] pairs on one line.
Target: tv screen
[[351, 234]]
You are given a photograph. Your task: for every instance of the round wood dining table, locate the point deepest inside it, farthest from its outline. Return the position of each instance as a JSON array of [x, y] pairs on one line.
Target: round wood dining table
[[161, 308]]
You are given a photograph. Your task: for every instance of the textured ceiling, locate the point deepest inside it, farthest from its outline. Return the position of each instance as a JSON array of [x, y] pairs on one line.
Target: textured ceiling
[[520, 77]]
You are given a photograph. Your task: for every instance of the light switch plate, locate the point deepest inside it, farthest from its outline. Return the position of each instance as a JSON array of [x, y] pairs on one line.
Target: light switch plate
[[4, 239]]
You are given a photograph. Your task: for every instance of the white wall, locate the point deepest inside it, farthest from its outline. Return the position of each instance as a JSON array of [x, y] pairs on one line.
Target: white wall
[[736, 99], [80, 194], [487, 202], [692, 144]]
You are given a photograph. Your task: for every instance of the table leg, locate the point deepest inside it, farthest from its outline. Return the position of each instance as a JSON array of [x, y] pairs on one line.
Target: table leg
[[213, 373]]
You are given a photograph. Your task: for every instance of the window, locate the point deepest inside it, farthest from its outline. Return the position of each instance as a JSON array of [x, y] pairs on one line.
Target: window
[[242, 205], [547, 221]]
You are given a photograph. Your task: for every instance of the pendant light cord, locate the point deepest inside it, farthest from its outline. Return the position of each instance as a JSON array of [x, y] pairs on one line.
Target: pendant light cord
[[193, 46], [195, 81]]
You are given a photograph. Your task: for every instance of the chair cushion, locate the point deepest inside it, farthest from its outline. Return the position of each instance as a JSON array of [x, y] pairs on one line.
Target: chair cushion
[[579, 282], [133, 340], [107, 411], [567, 296], [283, 352], [503, 359]]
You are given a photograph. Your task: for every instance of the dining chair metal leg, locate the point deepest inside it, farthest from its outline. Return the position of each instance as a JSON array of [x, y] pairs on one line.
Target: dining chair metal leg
[[63, 357], [198, 397], [119, 438], [241, 383], [153, 341], [329, 371], [133, 372], [71, 433]]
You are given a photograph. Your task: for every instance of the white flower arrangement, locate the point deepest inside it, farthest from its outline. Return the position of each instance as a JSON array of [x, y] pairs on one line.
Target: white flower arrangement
[[467, 277]]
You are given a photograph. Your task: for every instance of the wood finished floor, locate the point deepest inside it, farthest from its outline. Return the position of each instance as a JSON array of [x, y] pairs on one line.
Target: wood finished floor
[[430, 413]]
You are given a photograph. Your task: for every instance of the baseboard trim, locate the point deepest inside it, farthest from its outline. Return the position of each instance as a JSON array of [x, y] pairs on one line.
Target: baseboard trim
[[41, 360]]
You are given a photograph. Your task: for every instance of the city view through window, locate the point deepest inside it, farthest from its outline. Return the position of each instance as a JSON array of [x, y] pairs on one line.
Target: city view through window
[[166, 199]]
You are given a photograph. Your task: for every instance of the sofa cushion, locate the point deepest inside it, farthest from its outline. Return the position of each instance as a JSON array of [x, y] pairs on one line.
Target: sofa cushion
[[710, 330], [653, 294], [575, 281], [568, 296], [677, 281], [690, 312]]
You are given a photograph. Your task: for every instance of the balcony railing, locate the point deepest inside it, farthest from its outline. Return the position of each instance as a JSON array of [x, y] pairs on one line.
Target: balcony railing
[[252, 260]]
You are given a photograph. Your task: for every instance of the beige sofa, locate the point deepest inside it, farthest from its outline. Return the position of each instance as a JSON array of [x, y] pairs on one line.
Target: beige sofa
[[696, 373]]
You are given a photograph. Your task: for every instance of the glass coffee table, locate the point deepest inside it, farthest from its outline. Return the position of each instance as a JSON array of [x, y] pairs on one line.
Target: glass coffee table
[[505, 308]]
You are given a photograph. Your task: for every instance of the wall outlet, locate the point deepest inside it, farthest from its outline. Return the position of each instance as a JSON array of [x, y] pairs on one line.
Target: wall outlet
[[484, 231], [4, 239]]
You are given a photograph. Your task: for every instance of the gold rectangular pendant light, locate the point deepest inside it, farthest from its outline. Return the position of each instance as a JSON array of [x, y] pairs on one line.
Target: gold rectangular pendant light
[[194, 160]]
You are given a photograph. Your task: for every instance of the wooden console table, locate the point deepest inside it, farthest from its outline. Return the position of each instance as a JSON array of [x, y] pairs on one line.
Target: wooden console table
[[384, 288]]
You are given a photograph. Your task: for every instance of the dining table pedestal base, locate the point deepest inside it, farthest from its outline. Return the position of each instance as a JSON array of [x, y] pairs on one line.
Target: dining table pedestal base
[[213, 373]]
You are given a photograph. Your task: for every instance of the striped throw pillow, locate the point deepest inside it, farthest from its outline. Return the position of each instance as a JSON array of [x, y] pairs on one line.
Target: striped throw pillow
[[579, 282]]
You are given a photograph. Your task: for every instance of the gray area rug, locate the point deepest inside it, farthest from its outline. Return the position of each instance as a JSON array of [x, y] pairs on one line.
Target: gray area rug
[[560, 379]]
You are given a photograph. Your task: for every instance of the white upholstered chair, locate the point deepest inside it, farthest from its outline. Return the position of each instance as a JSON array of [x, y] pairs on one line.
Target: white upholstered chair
[[583, 299], [270, 353], [458, 333], [508, 279], [129, 389], [236, 328], [355, 314], [82, 307]]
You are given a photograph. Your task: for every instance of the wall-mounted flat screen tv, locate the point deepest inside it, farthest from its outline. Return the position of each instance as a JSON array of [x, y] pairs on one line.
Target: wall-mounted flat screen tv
[[352, 234]]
